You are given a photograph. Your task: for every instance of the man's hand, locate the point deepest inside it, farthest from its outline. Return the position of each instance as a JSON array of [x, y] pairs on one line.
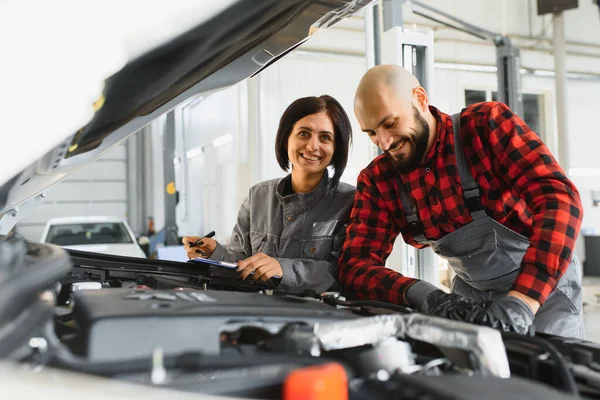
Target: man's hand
[[513, 313], [202, 250], [430, 300], [452, 306], [264, 267], [510, 314]]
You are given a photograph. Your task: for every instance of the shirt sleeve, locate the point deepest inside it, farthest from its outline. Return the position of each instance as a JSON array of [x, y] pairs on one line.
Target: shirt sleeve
[[532, 174], [369, 241], [238, 247]]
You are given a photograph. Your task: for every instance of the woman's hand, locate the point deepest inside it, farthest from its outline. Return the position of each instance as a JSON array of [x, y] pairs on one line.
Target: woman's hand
[[264, 267], [202, 250]]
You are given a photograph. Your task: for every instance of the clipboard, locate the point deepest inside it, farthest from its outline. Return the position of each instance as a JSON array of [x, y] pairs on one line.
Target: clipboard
[[222, 264]]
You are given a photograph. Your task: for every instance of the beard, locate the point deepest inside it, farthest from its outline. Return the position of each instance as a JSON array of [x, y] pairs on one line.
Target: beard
[[418, 141]]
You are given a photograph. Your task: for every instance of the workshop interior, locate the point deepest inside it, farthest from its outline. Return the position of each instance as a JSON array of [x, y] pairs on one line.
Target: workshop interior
[[155, 239]]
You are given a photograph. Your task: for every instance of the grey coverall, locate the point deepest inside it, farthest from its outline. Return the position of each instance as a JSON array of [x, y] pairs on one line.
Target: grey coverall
[[304, 232]]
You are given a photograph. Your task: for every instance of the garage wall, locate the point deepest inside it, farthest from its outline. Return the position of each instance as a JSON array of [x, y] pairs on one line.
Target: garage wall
[[100, 188], [212, 136], [448, 95]]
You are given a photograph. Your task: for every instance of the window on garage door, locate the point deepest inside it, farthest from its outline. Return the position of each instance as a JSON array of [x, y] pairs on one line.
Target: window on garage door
[[533, 106]]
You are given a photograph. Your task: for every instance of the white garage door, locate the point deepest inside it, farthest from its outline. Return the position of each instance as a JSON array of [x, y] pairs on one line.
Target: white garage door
[[99, 189]]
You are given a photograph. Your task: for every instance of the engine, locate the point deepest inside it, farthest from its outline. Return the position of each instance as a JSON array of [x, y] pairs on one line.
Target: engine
[[202, 336], [249, 344]]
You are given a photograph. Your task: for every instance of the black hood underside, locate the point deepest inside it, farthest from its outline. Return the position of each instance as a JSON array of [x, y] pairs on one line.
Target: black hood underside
[[159, 76]]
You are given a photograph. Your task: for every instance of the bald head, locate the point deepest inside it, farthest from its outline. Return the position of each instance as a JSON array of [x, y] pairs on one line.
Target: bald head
[[389, 80], [393, 109]]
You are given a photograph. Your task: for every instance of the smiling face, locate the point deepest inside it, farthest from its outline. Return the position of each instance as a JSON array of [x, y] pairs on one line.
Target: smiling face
[[396, 126], [311, 144]]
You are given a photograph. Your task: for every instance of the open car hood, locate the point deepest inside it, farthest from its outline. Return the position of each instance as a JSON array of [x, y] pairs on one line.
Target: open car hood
[[131, 64]]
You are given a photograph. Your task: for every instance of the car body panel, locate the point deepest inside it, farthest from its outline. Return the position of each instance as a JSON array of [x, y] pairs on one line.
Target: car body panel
[[57, 384]]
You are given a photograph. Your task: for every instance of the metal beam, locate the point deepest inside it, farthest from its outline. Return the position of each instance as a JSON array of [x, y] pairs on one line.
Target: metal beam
[[373, 46], [467, 27], [392, 14], [413, 51], [508, 62], [449, 25], [508, 59], [136, 191], [372, 36], [560, 80], [169, 181]]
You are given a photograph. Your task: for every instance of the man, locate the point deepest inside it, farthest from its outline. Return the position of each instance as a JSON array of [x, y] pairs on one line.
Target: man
[[483, 191]]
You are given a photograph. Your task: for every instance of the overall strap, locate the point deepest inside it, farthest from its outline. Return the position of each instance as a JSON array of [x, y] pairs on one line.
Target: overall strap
[[412, 217], [471, 191]]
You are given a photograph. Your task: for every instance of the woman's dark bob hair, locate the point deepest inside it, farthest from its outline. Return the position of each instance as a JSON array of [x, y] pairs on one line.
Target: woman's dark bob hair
[[341, 126]]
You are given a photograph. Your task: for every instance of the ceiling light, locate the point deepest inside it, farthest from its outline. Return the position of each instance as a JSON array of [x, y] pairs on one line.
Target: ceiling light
[[195, 152], [466, 67], [223, 140]]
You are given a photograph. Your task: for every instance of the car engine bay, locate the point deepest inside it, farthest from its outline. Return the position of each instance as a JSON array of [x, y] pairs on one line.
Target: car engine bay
[[187, 327]]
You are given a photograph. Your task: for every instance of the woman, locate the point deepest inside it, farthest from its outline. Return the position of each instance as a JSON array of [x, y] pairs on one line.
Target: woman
[[294, 227]]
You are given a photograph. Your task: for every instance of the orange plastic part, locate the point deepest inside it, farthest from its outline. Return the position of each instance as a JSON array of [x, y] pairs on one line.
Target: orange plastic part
[[321, 382]]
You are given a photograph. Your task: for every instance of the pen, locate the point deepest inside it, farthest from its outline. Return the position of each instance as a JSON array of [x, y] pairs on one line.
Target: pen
[[197, 242]]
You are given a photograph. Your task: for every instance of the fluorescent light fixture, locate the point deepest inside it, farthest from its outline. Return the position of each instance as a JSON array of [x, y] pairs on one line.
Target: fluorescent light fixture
[[466, 67], [223, 140], [584, 171], [524, 71], [541, 72], [195, 152]]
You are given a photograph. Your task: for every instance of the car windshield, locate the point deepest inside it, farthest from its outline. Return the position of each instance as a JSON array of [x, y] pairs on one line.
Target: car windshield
[[88, 233]]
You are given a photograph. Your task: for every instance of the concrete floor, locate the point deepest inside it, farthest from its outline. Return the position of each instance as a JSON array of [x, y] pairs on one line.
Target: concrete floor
[[591, 308]]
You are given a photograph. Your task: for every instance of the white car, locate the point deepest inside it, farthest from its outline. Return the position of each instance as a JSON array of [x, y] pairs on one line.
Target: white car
[[107, 235]]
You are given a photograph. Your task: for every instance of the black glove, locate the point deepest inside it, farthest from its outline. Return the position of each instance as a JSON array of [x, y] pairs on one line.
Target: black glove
[[452, 306], [430, 300], [509, 314]]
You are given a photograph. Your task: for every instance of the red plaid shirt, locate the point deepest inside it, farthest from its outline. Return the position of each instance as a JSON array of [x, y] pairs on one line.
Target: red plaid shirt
[[522, 187]]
